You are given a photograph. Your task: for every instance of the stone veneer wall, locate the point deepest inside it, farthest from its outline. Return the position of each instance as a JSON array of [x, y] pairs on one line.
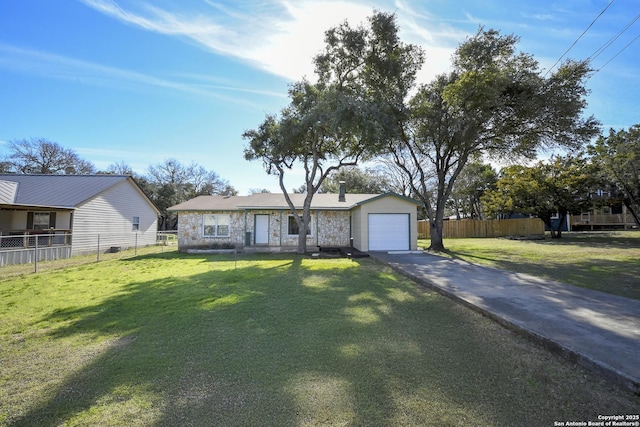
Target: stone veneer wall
[[328, 228], [190, 229], [334, 228]]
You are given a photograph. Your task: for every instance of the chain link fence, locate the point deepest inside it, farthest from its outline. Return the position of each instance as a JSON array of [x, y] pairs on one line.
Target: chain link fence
[[28, 250]]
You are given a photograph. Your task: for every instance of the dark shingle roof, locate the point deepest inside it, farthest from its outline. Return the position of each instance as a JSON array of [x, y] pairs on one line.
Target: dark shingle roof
[[58, 190]]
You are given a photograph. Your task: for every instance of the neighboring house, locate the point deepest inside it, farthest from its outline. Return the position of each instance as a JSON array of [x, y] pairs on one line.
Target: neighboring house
[[73, 210], [263, 221], [611, 217]]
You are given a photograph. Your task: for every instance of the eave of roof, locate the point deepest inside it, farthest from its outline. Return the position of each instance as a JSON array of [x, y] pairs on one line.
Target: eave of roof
[[28, 206], [392, 194], [277, 201]]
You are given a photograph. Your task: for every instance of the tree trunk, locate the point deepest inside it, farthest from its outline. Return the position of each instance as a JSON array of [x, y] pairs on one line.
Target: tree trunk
[[633, 211], [437, 222], [561, 222], [302, 240], [436, 236]]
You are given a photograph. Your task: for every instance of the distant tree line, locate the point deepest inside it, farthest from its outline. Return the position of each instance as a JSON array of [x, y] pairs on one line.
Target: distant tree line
[[166, 184]]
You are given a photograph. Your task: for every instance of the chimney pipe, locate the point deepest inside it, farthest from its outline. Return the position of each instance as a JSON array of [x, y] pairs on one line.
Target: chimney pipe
[[343, 190]]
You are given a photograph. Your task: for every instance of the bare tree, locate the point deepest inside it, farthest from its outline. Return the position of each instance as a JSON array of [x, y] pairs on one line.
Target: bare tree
[[120, 168], [171, 182], [41, 156]]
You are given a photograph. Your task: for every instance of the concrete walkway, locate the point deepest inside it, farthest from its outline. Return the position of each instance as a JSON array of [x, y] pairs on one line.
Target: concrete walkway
[[598, 330]]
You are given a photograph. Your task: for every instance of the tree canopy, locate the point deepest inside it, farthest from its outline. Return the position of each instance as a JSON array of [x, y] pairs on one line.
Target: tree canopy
[[495, 103], [466, 196], [558, 187], [364, 75], [617, 157], [170, 182], [357, 180], [41, 156]]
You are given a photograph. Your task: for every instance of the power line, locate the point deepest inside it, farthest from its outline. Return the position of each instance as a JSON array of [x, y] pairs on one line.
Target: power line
[[602, 48], [619, 52], [576, 41]]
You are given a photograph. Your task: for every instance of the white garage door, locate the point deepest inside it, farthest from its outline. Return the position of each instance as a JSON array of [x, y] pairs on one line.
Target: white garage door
[[388, 232]]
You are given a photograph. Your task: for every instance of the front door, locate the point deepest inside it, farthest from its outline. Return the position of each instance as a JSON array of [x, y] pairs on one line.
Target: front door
[[262, 230]]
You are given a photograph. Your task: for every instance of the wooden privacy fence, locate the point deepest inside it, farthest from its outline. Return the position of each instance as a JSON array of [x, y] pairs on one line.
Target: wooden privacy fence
[[485, 228]]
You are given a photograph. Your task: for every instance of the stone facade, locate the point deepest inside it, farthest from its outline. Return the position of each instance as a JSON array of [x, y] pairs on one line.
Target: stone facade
[[328, 228], [191, 234]]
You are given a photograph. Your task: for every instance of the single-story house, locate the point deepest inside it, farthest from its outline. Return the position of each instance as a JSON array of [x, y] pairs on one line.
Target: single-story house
[[371, 222], [69, 212]]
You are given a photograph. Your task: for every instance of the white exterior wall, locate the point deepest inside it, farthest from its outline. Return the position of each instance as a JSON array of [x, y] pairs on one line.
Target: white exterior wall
[[17, 220], [13, 220], [389, 205], [110, 215]]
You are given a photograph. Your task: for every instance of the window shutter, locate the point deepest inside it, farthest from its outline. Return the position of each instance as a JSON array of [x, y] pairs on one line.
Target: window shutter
[[52, 220], [29, 220]]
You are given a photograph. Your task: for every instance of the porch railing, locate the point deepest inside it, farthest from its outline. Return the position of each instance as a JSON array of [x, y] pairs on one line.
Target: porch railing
[[605, 219], [23, 239]]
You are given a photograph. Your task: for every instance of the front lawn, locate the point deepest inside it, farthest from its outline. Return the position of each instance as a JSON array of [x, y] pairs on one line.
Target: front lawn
[[176, 340], [603, 261]]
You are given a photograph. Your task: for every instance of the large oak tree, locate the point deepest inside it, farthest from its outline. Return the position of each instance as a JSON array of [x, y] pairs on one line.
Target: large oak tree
[[494, 102], [364, 75]]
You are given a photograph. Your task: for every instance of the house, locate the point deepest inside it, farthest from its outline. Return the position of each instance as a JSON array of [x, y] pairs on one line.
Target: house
[[369, 222], [612, 215], [69, 212]]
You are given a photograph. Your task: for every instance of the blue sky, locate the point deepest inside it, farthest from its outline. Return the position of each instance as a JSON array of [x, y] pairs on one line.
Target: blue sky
[[141, 81]]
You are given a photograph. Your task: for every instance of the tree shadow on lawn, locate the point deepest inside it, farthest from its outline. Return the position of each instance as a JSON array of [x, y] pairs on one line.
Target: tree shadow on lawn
[[609, 276], [292, 344], [606, 240]]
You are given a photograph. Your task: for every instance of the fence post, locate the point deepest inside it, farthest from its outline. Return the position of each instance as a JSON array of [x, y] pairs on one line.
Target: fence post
[[98, 252], [135, 250], [35, 258]]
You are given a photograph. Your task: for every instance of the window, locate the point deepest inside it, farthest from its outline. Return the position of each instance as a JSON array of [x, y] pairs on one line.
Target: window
[[215, 225], [136, 223], [40, 220], [292, 227]]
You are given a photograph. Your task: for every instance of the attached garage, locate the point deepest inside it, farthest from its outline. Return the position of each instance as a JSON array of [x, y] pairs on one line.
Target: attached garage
[[389, 232]]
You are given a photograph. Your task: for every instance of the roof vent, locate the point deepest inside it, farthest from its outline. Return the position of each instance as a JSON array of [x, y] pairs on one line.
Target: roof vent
[[343, 190]]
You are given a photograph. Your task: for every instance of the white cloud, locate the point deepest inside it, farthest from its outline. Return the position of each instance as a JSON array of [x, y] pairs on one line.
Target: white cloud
[[282, 36], [48, 65]]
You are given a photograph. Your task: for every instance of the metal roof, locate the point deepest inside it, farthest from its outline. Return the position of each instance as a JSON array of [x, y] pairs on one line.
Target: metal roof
[[324, 201], [66, 191], [8, 191]]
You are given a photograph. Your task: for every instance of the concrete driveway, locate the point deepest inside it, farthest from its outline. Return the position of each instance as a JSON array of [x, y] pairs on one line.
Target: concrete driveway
[[598, 330]]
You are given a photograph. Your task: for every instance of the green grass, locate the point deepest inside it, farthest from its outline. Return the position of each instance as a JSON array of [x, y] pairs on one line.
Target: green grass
[[606, 261], [171, 339]]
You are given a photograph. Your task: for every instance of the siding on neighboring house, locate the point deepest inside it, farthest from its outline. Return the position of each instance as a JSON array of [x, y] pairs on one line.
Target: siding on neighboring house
[[110, 214], [8, 191]]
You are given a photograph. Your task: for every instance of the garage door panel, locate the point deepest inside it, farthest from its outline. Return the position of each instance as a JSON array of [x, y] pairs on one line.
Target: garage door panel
[[388, 232]]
